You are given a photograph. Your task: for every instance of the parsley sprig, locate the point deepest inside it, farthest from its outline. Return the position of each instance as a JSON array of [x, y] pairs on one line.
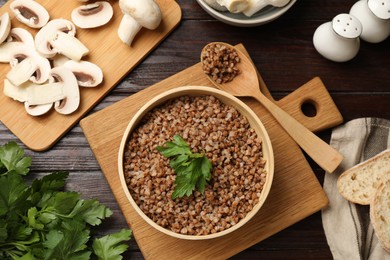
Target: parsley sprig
[[193, 170], [41, 221]]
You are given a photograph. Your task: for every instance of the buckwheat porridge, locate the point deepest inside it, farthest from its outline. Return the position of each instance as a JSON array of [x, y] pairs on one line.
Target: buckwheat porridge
[[228, 141]]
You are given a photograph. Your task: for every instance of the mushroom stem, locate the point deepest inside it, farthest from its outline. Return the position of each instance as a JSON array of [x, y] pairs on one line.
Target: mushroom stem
[[128, 29], [34, 94], [69, 46], [22, 71]]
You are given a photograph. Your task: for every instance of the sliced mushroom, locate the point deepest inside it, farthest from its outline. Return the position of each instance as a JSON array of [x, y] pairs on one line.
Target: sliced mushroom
[[58, 60], [31, 13], [18, 34], [43, 36], [137, 14], [71, 101], [92, 15], [37, 110], [68, 46], [35, 94], [87, 73], [26, 65], [16, 39], [5, 26], [6, 50]]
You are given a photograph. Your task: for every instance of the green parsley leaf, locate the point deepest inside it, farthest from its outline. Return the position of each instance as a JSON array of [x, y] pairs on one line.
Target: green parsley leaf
[[108, 247], [41, 220], [69, 242], [90, 211], [12, 159], [13, 194], [193, 170]]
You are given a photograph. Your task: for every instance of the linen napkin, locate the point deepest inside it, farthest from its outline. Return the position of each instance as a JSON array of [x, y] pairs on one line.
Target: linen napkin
[[347, 225]]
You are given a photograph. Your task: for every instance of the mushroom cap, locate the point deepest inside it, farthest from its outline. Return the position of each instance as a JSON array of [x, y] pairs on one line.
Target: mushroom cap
[[17, 38], [71, 90], [5, 26], [6, 49], [37, 110], [92, 15], [146, 12], [46, 33], [21, 35], [31, 13], [87, 73]]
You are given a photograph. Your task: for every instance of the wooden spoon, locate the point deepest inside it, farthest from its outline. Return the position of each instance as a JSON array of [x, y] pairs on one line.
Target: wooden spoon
[[246, 84]]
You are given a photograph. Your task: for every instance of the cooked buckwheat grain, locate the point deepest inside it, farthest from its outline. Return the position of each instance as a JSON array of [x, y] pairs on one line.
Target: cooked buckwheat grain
[[207, 125]]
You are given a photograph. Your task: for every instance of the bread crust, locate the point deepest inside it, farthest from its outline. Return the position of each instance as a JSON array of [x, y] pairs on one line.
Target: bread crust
[[359, 183], [380, 214]]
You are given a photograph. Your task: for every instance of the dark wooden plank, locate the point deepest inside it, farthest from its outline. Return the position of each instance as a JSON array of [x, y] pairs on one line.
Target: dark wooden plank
[[284, 54]]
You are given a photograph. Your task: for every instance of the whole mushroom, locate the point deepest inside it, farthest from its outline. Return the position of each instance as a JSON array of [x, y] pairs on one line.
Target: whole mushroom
[[137, 14]]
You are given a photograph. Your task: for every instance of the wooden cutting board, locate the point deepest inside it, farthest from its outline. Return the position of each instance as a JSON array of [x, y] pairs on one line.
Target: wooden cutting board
[[295, 193], [115, 58]]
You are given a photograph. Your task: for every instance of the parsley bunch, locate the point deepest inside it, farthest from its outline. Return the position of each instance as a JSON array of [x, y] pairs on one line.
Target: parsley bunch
[[41, 221], [192, 169]]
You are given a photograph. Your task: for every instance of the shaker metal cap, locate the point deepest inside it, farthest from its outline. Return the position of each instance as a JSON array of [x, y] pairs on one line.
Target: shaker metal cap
[[380, 8], [347, 26]]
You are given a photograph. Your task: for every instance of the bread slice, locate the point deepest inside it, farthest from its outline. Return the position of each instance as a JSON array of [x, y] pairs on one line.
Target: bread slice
[[359, 183], [380, 214]]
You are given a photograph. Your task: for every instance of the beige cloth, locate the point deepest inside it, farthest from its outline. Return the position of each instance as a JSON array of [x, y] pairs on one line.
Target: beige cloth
[[347, 225]]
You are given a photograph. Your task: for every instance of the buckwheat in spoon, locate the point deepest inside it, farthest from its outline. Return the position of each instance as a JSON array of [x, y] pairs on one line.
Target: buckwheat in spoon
[[240, 79]]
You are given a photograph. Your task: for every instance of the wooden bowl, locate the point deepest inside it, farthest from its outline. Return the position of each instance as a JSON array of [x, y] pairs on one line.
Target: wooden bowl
[[227, 99]]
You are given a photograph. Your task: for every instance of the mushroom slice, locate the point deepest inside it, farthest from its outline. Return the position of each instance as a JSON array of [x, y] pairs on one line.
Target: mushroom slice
[[27, 64], [37, 110], [6, 50], [137, 14], [87, 73], [34, 94], [5, 26], [58, 60], [92, 15], [71, 101], [17, 38], [31, 13], [68, 46], [47, 32], [18, 34]]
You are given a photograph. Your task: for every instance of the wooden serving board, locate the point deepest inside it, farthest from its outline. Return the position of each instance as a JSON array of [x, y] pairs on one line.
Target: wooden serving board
[[295, 193], [115, 58]]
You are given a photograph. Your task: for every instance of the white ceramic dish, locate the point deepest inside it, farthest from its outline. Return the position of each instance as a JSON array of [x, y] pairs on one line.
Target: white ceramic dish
[[264, 16]]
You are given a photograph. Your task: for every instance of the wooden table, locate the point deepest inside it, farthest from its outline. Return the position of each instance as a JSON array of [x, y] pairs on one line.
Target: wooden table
[[284, 54]]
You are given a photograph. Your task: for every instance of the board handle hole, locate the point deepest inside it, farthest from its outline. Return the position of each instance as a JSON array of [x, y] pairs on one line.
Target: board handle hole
[[309, 108]]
